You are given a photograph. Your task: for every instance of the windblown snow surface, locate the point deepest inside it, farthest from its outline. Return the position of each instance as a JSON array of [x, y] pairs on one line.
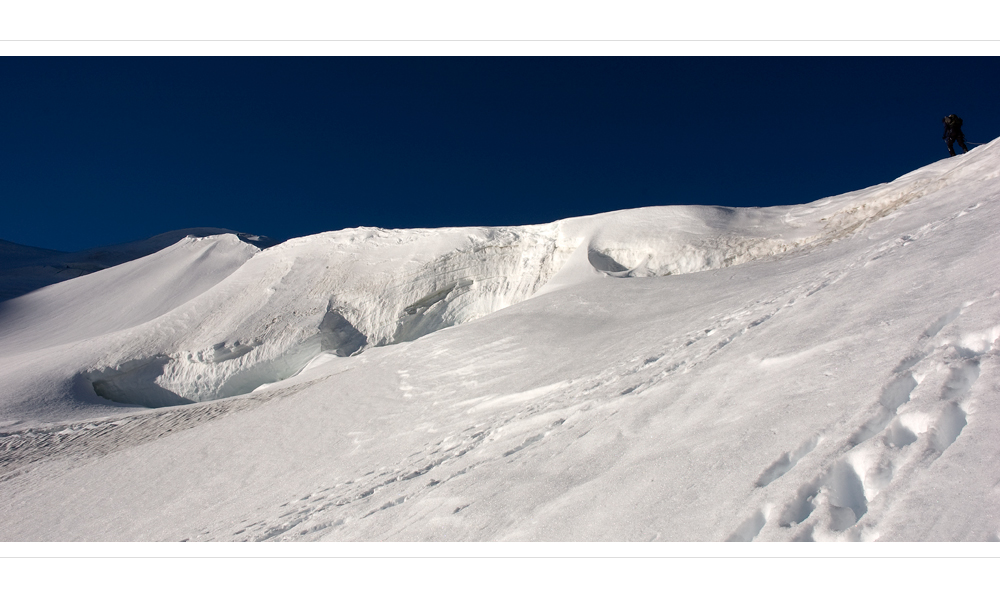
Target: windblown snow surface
[[825, 371]]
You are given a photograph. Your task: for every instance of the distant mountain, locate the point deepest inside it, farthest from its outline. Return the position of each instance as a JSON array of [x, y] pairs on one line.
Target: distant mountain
[[24, 269]]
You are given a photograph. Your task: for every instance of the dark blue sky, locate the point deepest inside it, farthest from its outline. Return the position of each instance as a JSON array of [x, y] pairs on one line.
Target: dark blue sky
[[95, 151]]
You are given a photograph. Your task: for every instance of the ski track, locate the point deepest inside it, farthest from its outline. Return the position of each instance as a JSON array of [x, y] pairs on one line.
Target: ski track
[[95, 438], [338, 504]]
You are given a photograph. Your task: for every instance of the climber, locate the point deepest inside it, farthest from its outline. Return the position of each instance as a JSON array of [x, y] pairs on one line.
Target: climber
[[953, 133]]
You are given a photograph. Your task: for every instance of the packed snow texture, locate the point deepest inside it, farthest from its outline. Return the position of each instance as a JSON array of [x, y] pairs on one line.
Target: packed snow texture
[[815, 372]]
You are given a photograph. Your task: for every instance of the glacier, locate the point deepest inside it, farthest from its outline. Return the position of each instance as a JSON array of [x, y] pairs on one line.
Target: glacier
[[820, 372]]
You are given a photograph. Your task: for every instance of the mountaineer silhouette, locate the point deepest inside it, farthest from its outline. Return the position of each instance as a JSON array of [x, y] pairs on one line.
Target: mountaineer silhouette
[[953, 133]]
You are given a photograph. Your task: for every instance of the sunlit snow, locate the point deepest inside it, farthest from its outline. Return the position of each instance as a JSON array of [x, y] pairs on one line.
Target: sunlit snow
[[815, 372]]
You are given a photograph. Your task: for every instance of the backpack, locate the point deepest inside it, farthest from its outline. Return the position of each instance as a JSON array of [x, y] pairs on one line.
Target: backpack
[[953, 121]]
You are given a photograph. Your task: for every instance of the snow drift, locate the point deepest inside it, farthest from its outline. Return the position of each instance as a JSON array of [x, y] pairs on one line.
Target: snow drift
[[675, 373]]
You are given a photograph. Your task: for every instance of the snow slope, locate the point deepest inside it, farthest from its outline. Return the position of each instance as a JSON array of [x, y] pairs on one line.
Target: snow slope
[[24, 269], [816, 372]]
